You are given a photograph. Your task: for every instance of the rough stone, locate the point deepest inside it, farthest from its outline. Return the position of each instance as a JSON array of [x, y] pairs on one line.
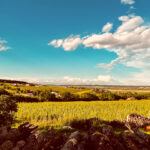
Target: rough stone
[[72, 142], [16, 148], [13, 134], [7, 145], [3, 134], [107, 130], [55, 143], [136, 120], [20, 143], [100, 142], [128, 142], [31, 143]]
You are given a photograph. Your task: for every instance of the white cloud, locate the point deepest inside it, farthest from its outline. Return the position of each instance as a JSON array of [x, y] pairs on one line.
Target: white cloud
[[67, 80], [107, 27], [129, 2], [69, 44], [104, 78], [132, 7], [130, 41], [141, 78], [56, 43], [123, 18], [100, 80], [130, 24], [2, 45]]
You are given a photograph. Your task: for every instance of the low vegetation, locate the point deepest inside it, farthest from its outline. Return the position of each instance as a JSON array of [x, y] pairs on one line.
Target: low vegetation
[[7, 108], [59, 113], [30, 93], [59, 105]]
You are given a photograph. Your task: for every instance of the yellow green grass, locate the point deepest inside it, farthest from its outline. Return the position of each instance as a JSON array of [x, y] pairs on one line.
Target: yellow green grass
[[58, 113]]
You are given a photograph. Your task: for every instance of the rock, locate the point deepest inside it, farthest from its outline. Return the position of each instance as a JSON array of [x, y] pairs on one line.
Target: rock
[[83, 145], [49, 135], [26, 129], [3, 134], [116, 144], [72, 142], [67, 128], [100, 142], [31, 143], [128, 142], [16, 148], [3, 131], [13, 135], [140, 143], [107, 130], [40, 138], [7, 145], [144, 136], [20, 143], [55, 143], [75, 134], [136, 120], [117, 124]]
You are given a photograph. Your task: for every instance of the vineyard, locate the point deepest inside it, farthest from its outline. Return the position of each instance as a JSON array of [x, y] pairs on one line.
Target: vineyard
[[57, 114]]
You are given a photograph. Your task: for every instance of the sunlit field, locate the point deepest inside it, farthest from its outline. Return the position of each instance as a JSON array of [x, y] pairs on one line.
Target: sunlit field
[[56, 114]]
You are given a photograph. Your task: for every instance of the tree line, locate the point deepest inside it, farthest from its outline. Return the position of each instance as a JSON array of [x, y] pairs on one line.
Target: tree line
[[48, 95]]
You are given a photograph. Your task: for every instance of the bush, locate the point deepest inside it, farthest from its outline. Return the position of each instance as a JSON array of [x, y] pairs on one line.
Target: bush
[[106, 96], [4, 92], [20, 98], [47, 96], [89, 97], [67, 96], [142, 95], [7, 108]]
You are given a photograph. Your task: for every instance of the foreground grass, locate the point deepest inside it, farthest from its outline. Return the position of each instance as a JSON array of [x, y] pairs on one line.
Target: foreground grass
[[57, 114]]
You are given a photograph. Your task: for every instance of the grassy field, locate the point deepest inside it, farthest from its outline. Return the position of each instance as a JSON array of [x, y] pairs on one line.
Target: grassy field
[[59, 113]]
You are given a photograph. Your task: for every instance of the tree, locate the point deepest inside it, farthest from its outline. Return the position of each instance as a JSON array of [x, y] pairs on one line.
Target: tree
[[47, 95], [4, 92], [67, 96], [7, 108], [89, 97]]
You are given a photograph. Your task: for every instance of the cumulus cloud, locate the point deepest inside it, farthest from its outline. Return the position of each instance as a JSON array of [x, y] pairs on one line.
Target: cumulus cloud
[[3, 47], [100, 80], [107, 27], [129, 2], [141, 78], [69, 44], [130, 41], [67, 80]]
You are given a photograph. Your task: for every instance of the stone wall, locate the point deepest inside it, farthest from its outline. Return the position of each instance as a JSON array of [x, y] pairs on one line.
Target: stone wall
[[103, 137]]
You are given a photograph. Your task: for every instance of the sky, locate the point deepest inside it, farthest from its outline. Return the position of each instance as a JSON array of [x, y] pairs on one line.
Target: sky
[[79, 42]]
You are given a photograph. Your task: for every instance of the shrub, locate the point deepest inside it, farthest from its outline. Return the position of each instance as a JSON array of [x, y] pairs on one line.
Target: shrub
[[46, 95], [89, 97], [4, 92], [20, 98], [7, 108], [67, 96], [108, 96]]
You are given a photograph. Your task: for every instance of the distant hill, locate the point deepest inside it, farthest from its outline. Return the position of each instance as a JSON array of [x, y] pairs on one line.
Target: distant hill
[[12, 81]]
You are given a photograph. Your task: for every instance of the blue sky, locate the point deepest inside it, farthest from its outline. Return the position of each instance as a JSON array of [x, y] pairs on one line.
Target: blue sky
[[75, 41]]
